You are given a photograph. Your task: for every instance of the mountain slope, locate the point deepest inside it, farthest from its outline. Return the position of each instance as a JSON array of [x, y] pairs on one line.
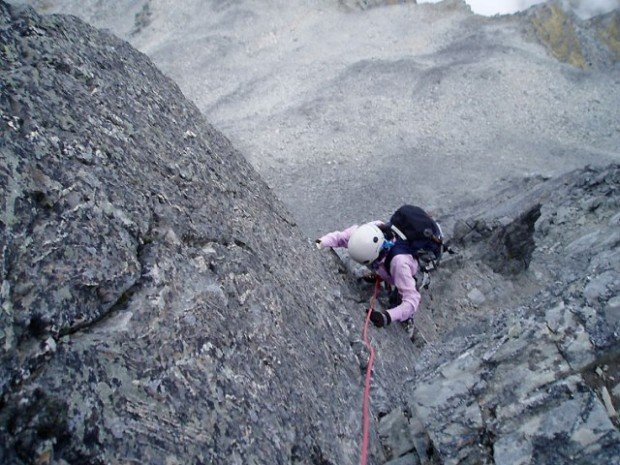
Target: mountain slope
[[157, 303], [323, 99]]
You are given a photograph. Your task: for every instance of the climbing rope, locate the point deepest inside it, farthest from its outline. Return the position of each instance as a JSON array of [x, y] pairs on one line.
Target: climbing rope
[[371, 361]]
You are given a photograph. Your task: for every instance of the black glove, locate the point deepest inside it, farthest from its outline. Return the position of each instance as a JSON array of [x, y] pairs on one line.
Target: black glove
[[380, 319]]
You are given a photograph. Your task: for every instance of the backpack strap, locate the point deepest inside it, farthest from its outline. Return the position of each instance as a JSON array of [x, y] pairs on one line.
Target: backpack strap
[[398, 232], [401, 247]]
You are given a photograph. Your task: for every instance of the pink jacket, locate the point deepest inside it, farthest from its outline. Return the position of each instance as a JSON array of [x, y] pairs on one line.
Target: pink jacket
[[402, 270]]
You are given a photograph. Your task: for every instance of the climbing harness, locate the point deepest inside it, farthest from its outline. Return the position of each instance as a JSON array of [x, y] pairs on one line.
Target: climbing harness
[[371, 361]]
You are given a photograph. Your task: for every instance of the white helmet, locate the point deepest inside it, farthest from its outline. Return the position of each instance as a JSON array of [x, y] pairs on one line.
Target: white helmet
[[365, 243]]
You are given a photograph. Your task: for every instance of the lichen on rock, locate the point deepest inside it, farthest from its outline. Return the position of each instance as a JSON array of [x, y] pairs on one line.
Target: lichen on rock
[[157, 302], [554, 28]]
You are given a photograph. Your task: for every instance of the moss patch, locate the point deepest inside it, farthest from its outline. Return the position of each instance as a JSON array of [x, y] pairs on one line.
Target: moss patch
[[555, 30], [610, 35]]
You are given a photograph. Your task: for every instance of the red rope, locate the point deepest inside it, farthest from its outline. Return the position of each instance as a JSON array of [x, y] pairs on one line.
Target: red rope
[[371, 361]]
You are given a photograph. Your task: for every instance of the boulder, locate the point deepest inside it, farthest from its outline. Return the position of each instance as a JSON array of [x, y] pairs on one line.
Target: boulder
[[159, 304]]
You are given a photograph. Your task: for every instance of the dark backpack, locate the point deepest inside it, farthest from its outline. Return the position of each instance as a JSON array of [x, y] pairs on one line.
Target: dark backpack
[[416, 234]]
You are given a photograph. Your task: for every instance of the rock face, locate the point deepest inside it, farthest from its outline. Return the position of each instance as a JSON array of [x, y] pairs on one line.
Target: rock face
[[366, 4], [583, 44], [525, 376], [157, 303], [160, 306]]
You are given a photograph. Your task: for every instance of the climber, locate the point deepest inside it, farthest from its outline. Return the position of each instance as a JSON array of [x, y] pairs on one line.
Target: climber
[[394, 251]]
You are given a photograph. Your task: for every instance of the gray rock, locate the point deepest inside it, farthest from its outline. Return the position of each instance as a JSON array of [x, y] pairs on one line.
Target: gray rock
[[606, 260], [600, 287], [512, 450], [511, 246], [460, 230], [586, 243], [578, 349], [608, 403], [476, 297], [555, 317], [401, 434], [158, 303], [397, 438], [612, 311], [409, 459], [589, 316], [571, 337]]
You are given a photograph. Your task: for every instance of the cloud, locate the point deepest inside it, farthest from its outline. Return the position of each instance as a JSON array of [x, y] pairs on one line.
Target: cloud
[[589, 8], [583, 8], [486, 7]]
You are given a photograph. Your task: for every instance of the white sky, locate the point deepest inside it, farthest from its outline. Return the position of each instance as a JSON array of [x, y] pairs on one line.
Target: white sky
[[584, 8]]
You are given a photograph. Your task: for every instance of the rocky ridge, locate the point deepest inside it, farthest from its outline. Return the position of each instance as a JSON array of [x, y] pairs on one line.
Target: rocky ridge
[[593, 43], [366, 4], [159, 305], [520, 364]]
